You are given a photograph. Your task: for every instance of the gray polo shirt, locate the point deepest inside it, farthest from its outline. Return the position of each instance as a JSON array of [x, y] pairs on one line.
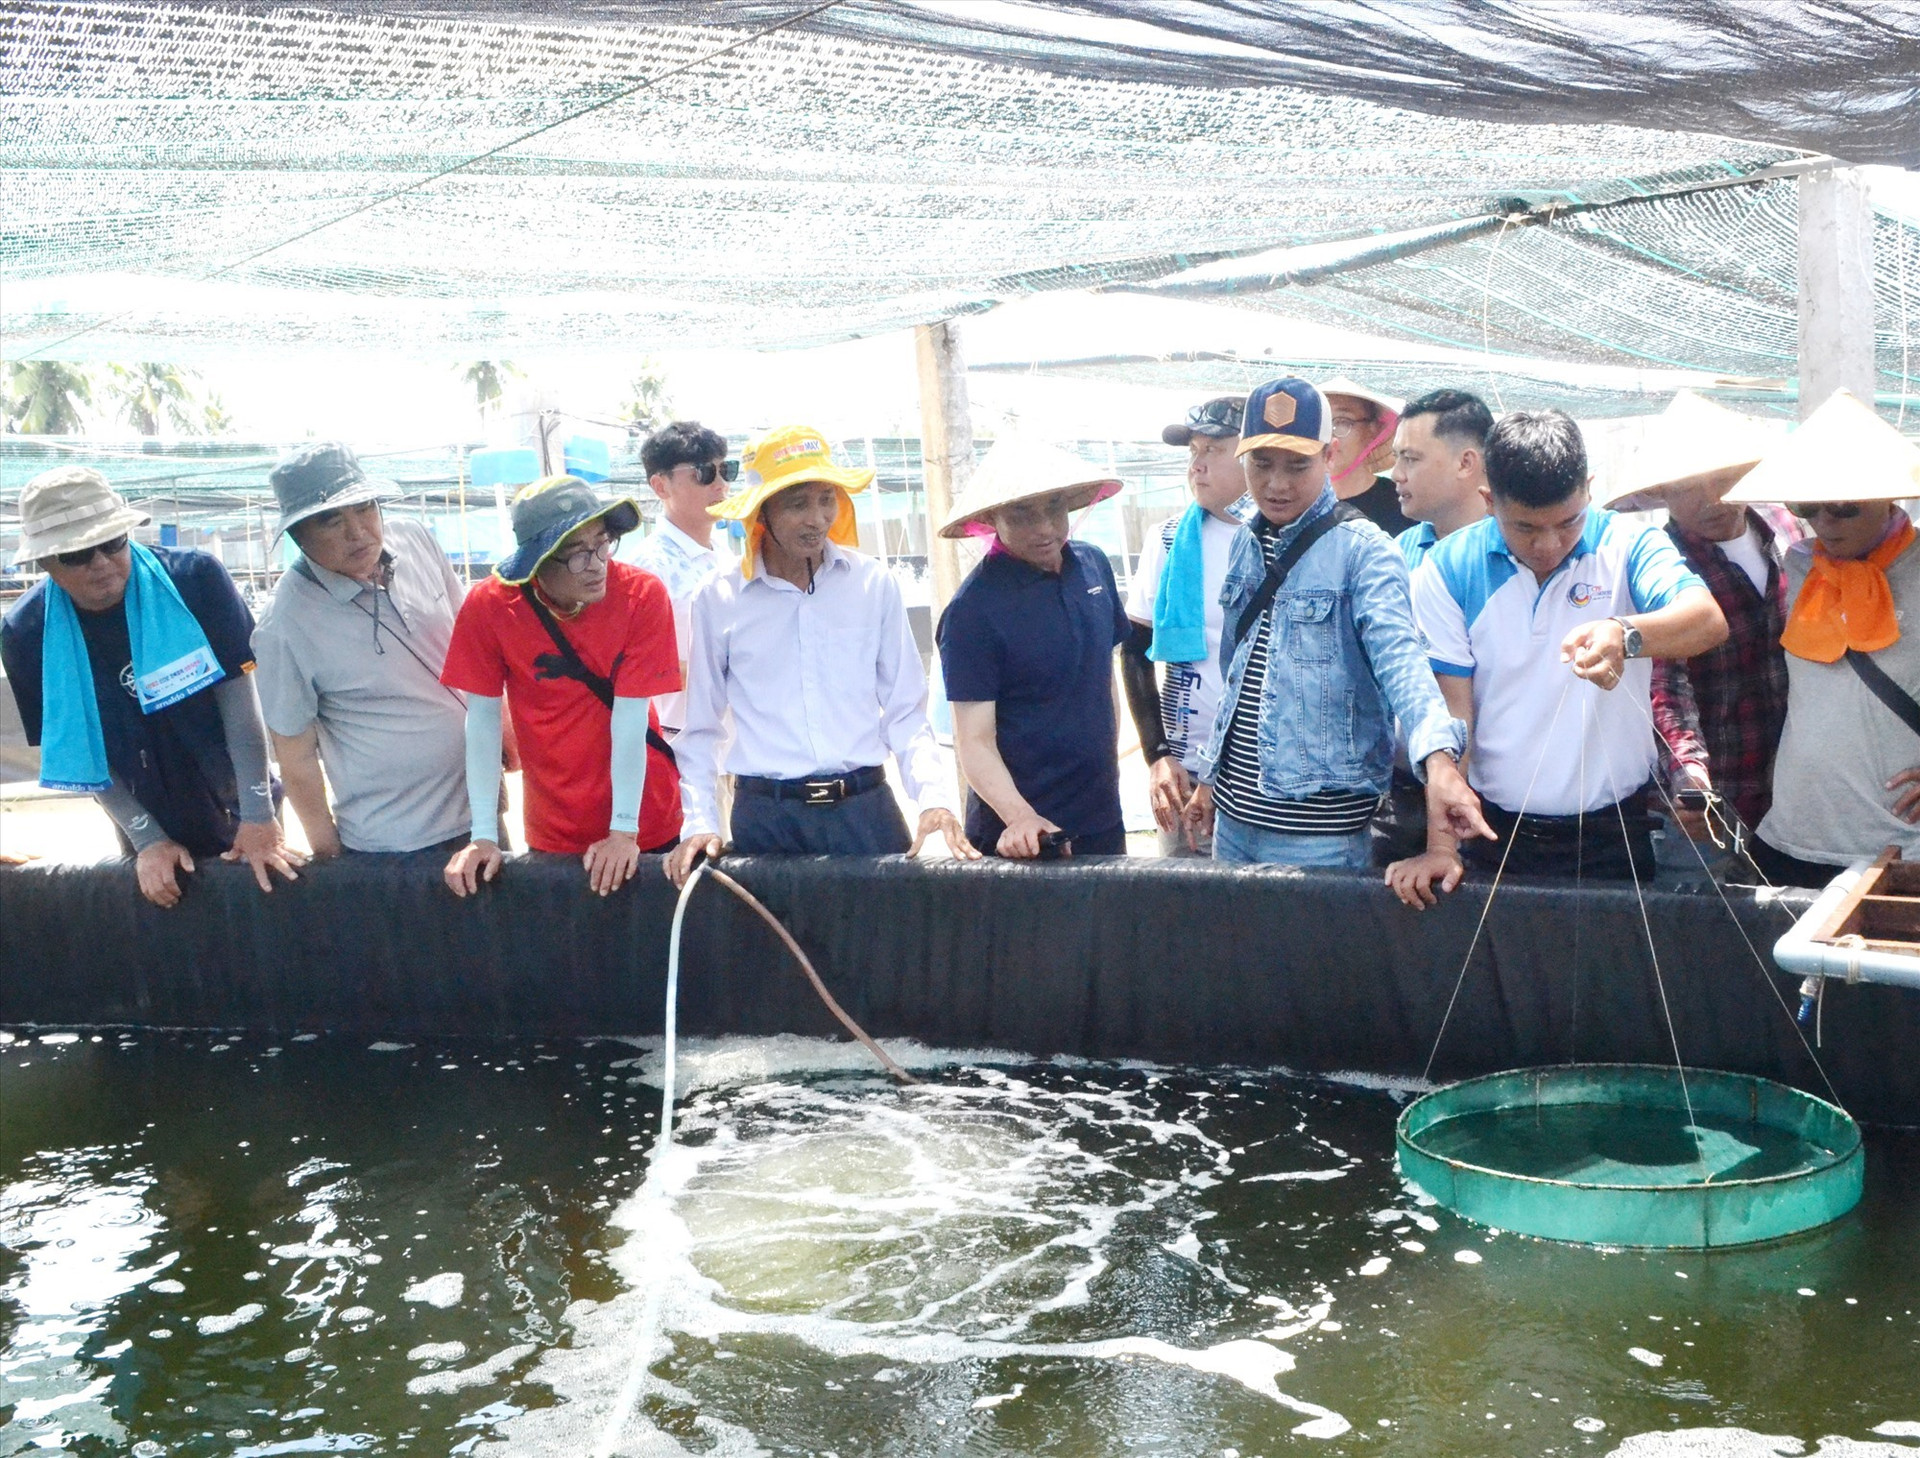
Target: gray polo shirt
[[392, 738]]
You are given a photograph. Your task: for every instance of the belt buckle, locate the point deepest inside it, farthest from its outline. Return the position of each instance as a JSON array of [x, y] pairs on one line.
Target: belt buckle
[[825, 792]]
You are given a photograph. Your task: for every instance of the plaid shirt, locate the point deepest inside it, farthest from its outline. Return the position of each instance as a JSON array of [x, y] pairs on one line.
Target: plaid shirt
[[1723, 711]]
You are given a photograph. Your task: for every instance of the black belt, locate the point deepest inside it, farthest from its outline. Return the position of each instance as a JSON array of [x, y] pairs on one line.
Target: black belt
[[825, 790]]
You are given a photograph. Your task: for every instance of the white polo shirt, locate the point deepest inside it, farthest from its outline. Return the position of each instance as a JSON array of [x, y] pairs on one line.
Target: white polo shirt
[[1544, 740]]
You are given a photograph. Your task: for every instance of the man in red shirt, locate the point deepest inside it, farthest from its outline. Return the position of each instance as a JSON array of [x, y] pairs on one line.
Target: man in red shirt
[[580, 644]]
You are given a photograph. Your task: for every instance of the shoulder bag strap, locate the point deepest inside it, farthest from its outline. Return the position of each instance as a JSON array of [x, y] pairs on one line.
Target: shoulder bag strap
[[1277, 574], [1884, 688], [575, 668]]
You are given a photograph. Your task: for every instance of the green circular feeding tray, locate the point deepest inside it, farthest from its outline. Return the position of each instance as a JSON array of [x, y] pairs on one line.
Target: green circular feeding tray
[[1603, 1154]]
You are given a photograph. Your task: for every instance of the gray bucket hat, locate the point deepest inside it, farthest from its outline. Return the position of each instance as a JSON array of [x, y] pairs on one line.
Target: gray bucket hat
[[70, 508], [545, 512], [323, 477]]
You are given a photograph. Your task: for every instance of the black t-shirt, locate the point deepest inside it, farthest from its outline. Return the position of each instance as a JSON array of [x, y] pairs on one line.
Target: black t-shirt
[[174, 761], [1380, 504]]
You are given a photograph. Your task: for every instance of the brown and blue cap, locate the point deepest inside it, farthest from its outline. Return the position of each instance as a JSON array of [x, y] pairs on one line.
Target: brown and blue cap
[[545, 512]]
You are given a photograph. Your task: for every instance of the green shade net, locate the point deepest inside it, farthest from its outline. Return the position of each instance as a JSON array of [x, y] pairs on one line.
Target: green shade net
[[1622, 1154]]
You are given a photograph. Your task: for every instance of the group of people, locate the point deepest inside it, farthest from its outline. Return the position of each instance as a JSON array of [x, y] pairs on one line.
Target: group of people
[[1376, 624]]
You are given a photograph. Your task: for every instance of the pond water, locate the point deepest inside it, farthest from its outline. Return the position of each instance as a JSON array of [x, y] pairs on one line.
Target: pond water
[[246, 1246]]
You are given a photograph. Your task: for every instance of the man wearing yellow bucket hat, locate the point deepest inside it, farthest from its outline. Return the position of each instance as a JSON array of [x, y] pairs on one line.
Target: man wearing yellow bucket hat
[[802, 666]]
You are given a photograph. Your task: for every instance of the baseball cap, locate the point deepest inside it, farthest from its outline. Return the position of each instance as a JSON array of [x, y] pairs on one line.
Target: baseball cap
[[1218, 418], [1287, 414]]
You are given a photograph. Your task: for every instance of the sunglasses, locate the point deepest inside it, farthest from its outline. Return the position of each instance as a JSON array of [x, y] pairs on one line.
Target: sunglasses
[[1222, 414], [707, 470], [1833, 510], [85, 555]]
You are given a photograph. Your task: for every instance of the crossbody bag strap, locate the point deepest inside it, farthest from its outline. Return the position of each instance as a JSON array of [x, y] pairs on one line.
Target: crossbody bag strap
[[1277, 574], [1883, 688], [576, 668]]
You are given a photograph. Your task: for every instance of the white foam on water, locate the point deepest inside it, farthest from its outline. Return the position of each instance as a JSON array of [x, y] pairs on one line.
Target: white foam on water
[[443, 1291], [1294, 1174], [1651, 1359], [231, 1321], [996, 1399], [734, 1062], [437, 1352], [478, 1375], [928, 1227], [1376, 1267], [1898, 1430], [166, 1288], [1744, 1443], [1467, 1257], [356, 1315], [388, 1047]]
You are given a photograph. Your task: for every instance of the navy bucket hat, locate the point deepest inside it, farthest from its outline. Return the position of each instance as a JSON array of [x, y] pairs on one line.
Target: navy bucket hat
[[546, 511]]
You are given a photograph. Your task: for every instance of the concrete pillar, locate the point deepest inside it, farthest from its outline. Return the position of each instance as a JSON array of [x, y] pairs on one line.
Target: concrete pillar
[[1836, 286], [946, 444]]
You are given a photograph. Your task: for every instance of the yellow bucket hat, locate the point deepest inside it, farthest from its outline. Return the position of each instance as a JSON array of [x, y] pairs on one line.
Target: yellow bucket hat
[[792, 455]]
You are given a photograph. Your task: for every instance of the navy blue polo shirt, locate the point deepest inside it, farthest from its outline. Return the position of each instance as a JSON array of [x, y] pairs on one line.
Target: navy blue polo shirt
[[175, 761], [1040, 645]]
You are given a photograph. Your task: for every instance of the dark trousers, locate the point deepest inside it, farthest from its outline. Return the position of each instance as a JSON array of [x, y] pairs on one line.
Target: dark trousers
[[984, 827], [1589, 847], [868, 824], [1780, 869], [1400, 828]]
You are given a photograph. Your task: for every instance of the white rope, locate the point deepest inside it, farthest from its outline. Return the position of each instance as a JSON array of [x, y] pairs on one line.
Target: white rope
[[1512, 835]]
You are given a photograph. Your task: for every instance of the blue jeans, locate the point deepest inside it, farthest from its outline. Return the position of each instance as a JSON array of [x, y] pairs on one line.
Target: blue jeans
[[1238, 843]]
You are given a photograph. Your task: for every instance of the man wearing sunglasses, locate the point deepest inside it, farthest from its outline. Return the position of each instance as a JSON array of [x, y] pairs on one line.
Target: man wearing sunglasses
[[579, 645], [1846, 780], [688, 469], [350, 650], [132, 669]]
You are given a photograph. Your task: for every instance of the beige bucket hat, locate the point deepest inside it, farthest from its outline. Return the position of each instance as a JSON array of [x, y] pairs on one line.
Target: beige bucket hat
[[1023, 470], [1841, 452], [68, 508], [1692, 440]]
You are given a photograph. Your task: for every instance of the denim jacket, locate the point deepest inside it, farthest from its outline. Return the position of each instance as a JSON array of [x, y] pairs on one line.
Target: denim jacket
[[1344, 661]]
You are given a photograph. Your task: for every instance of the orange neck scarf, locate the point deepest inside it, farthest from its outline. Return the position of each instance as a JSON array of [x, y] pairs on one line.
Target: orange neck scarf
[[1846, 604]]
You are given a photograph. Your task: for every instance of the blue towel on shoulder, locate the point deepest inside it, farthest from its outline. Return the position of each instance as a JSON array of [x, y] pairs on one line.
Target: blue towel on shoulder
[[171, 660], [1180, 606]]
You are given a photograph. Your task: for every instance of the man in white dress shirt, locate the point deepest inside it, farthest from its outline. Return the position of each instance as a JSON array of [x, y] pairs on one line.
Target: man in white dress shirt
[[687, 467], [802, 665]]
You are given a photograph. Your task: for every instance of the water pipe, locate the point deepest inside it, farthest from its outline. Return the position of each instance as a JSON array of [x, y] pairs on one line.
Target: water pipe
[[1850, 957]]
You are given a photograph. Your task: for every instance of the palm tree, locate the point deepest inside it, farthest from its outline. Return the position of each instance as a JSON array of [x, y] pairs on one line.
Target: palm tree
[[219, 419], [650, 408], [150, 392], [489, 380], [44, 397]]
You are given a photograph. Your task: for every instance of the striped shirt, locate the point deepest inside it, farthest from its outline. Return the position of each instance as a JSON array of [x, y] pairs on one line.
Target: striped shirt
[[1236, 786]]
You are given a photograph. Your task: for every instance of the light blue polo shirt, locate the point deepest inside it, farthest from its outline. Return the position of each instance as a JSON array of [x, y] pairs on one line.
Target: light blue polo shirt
[[1544, 740], [1415, 542]]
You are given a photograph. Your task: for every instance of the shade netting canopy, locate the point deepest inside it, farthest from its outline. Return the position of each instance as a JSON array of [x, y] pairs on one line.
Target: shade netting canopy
[[191, 182]]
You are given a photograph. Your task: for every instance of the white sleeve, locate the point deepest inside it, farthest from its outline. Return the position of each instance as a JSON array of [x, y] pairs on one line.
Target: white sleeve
[[698, 746], [1442, 623], [1144, 590], [903, 709]]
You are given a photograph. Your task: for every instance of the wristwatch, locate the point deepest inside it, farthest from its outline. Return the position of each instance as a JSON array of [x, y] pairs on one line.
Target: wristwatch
[[1634, 645]]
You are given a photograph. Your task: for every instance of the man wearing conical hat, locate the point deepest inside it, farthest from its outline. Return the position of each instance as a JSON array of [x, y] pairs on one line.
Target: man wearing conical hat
[[1846, 781], [802, 667], [1026, 648], [1719, 714]]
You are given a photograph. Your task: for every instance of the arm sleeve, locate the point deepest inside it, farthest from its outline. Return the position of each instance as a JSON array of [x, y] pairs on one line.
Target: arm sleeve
[[1442, 625], [484, 731], [904, 729], [698, 746], [1656, 572], [289, 702], [629, 766], [1676, 715], [239, 708], [1383, 614], [1142, 684], [140, 828]]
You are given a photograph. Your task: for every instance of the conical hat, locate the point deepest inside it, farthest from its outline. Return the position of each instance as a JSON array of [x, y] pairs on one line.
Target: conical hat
[[1841, 452], [1017, 469], [1693, 438]]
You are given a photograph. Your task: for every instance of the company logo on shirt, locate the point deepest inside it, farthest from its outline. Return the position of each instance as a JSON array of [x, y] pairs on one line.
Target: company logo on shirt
[[1589, 594], [1098, 587]]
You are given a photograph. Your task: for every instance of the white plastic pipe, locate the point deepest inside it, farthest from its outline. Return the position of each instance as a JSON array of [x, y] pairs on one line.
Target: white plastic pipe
[[1797, 952]]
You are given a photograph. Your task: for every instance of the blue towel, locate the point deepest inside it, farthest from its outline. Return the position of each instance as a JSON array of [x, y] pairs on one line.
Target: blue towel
[[171, 660], [1180, 606]]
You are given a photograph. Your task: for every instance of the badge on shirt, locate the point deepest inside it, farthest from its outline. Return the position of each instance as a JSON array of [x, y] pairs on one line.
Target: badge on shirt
[[172, 682]]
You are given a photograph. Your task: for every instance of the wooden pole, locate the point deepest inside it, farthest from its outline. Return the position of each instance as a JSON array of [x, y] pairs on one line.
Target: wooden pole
[[1836, 287], [946, 444]]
